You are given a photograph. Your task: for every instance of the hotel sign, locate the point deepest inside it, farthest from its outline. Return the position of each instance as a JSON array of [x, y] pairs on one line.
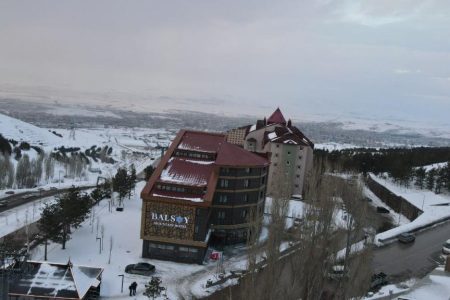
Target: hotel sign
[[168, 220], [174, 221]]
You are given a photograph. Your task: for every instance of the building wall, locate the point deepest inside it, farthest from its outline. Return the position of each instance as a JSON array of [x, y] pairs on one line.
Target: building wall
[[173, 252], [236, 136], [240, 194]]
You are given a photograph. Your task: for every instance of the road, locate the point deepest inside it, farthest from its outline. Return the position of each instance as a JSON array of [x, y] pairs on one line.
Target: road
[[23, 198], [402, 261]]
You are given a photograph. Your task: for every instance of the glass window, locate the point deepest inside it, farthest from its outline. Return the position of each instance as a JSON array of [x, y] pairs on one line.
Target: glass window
[[223, 198], [221, 214], [246, 183], [224, 183]]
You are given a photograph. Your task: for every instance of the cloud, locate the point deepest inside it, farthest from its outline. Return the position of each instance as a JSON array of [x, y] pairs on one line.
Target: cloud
[[407, 71]]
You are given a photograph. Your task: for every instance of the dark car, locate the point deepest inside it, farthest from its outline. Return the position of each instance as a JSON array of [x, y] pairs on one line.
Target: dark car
[[406, 237], [145, 269], [382, 210], [378, 280]]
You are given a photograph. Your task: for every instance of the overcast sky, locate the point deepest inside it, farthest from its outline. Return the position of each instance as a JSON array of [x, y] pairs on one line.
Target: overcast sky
[[373, 59]]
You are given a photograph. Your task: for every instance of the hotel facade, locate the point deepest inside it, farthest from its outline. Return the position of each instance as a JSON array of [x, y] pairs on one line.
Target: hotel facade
[[204, 191]]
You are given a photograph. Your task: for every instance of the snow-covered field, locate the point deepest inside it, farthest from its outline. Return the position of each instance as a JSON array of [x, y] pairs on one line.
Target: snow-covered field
[[138, 146]]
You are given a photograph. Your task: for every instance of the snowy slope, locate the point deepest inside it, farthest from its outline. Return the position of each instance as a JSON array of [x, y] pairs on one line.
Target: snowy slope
[[15, 129]]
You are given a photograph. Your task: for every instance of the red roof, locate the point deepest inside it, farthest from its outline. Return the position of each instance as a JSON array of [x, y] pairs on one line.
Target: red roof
[[232, 155], [187, 172], [276, 118], [201, 141]]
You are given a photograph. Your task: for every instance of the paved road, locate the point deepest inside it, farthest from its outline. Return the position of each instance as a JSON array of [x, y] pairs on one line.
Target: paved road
[[402, 261], [26, 197]]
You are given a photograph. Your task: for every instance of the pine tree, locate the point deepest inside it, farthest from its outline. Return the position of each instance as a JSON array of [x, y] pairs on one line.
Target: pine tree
[[420, 177], [153, 288], [148, 172], [430, 179], [121, 183], [69, 211], [50, 224]]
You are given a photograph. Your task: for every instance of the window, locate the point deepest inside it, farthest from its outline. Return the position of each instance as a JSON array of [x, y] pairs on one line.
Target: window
[[274, 164], [247, 170], [298, 176], [278, 146], [289, 152], [245, 197], [261, 194], [300, 157], [246, 183], [244, 213], [298, 167], [223, 198], [196, 229], [263, 180], [224, 183], [296, 185], [288, 163], [221, 215], [226, 170], [276, 154]]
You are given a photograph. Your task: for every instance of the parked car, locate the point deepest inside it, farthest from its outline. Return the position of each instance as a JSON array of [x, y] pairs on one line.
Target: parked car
[[141, 268], [382, 210], [446, 247], [406, 237], [336, 272], [378, 280], [10, 192]]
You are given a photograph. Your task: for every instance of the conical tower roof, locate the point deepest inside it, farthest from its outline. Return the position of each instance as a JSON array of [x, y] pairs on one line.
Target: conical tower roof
[[276, 118]]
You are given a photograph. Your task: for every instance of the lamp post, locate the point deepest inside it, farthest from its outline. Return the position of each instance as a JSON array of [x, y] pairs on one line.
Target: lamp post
[[121, 289], [423, 201], [100, 245], [59, 178]]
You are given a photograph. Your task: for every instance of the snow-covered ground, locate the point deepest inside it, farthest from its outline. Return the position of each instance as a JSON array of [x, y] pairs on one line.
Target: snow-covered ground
[[123, 228], [21, 216], [435, 207], [136, 146]]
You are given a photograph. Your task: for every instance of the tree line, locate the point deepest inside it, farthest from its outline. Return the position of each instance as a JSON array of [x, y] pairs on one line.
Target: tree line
[[404, 165]]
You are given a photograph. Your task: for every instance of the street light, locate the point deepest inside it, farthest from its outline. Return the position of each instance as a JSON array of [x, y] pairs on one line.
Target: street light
[[121, 289], [59, 178], [100, 245]]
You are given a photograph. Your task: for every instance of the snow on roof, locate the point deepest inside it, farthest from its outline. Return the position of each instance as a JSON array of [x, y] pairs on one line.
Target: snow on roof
[[84, 278], [272, 135], [252, 128], [186, 172], [55, 280], [175, 196], [201, 141]]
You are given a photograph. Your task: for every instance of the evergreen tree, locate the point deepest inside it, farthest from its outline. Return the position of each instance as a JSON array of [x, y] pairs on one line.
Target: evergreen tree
[[420, 177], [148, 172], [121, 183], [153, 288], [69, 211], [50, 224], [430, 179]]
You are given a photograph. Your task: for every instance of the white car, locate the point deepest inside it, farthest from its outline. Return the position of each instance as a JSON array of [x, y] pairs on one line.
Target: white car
[[446, 247]]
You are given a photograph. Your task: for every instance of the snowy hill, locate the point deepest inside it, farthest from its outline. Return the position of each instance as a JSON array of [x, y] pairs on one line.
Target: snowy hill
[[18, 130]]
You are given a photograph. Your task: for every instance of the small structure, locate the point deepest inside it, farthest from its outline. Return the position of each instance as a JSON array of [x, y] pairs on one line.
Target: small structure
[[44, 280]]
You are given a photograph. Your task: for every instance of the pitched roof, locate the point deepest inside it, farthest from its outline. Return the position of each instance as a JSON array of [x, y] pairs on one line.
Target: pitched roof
[[232, 155], [276, 118], [53, 280], [196, 172]]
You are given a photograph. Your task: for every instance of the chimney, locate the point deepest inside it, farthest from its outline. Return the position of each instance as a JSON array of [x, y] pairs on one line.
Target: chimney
[[265, 121], [289, 124], [447, 264]]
